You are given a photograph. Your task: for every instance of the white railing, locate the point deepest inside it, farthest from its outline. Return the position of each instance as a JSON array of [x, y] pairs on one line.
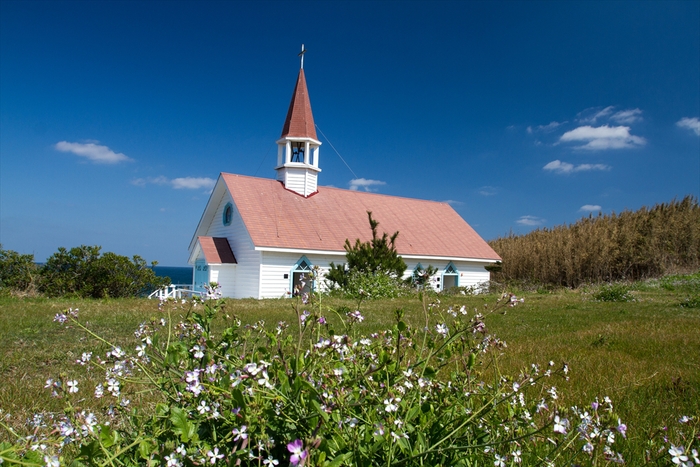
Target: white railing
[[176, 291]]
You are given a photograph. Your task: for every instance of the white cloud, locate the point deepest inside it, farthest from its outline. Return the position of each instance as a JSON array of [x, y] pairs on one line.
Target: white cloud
[[488, 190], [551, 126], [603, 137], [592, 114], [690, 123], [530, 220], [627, 116], [560, 167], [92, 151], [590, 207], [453, 202], [193, 183], [364, 184], [182, 183]]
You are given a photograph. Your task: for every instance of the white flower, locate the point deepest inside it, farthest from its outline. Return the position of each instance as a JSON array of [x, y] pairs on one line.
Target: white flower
[[271, 461], [442, 329], [203, 407], [516, 456], [214, 455], [52, 461], [390, 406], [678, 456], [560, 425], [72, 386], [499, 461], [197, 351], [172, 461], [113, 386], [240, 434]]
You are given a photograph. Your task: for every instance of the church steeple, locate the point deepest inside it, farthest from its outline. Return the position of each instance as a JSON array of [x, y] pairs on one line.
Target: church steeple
[[298, 147]]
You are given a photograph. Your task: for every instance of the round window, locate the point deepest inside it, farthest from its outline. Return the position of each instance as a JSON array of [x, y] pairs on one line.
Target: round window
[[228, 214]]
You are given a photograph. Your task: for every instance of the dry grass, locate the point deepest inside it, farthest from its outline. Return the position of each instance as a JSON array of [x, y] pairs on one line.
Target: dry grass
[[646, 243]]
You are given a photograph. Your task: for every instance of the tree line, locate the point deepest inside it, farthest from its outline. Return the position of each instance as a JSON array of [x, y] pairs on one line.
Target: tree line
[[82, 271]]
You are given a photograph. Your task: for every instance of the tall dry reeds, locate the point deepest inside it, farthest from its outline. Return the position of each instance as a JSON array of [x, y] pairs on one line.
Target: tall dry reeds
[[627, 246]]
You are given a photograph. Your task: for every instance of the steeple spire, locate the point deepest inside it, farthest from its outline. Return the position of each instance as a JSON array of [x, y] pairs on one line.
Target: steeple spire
[[300, 120], [298, 147]]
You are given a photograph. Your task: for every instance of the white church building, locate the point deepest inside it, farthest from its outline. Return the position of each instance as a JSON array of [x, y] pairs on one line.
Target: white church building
[[258, 236]]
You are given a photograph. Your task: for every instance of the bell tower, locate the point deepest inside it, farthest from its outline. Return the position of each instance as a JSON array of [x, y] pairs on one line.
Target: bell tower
[[298, 147]]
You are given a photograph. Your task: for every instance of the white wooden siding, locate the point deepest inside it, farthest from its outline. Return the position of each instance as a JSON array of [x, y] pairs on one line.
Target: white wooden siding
[[276, 264], [470, 274], [242, 279]]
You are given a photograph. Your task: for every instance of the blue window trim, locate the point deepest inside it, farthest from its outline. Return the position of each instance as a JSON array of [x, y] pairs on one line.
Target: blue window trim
[[297, 269], [455, 273], [223, 216], [418, 267]]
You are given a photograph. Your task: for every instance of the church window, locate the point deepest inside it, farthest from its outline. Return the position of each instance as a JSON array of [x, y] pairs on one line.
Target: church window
[[450, 277], [302, 282], [228, 214]]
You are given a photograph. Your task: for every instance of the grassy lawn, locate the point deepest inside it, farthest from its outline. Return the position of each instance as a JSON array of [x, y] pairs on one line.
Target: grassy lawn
[[643, 354]]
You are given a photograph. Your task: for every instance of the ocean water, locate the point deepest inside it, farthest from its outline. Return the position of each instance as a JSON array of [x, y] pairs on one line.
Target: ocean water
[[177, 275]]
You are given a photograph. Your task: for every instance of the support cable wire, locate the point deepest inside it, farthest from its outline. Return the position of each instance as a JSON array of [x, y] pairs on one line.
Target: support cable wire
[[336, 151], [263, 159]]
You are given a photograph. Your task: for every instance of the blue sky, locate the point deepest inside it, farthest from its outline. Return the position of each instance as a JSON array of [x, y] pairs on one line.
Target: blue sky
[[116, 117]]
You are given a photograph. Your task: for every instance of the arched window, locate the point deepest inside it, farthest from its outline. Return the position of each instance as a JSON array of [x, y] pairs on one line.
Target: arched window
[[228, 214], [450, 277], [301, 277]]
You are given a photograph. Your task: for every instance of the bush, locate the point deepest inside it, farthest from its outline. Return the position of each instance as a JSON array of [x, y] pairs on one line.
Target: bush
[[17, 271], [360, 285], [374, 257], [614, 293], [83, 272]]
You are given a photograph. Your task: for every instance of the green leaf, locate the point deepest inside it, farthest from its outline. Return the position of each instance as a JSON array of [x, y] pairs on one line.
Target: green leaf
[[402, 326], [181, 425], [146, 448], [108, 437], [90, 451], [338, 460]]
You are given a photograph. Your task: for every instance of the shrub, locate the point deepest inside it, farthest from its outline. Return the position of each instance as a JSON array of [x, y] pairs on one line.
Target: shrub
[[317, 394], [17, 271], [82, 271], [374, 257], [368, 286], [614, 293]]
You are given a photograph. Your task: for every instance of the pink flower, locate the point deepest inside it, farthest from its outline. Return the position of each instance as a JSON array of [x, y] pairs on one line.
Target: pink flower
[[299, 454]]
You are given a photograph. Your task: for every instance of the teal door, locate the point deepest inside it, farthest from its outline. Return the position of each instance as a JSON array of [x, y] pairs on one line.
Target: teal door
[[201, 275]]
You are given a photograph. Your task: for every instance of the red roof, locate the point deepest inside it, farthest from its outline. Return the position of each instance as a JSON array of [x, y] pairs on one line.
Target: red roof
[[300, 120], [278, 218], [217, 250]]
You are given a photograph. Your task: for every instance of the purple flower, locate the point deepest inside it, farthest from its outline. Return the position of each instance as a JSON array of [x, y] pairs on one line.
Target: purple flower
[[299, 454]]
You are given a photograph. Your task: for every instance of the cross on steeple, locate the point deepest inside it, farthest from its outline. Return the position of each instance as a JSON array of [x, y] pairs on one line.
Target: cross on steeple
[[301, 54]]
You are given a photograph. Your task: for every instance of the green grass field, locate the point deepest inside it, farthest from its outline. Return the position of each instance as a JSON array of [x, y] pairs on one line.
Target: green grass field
[[643, 354]]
